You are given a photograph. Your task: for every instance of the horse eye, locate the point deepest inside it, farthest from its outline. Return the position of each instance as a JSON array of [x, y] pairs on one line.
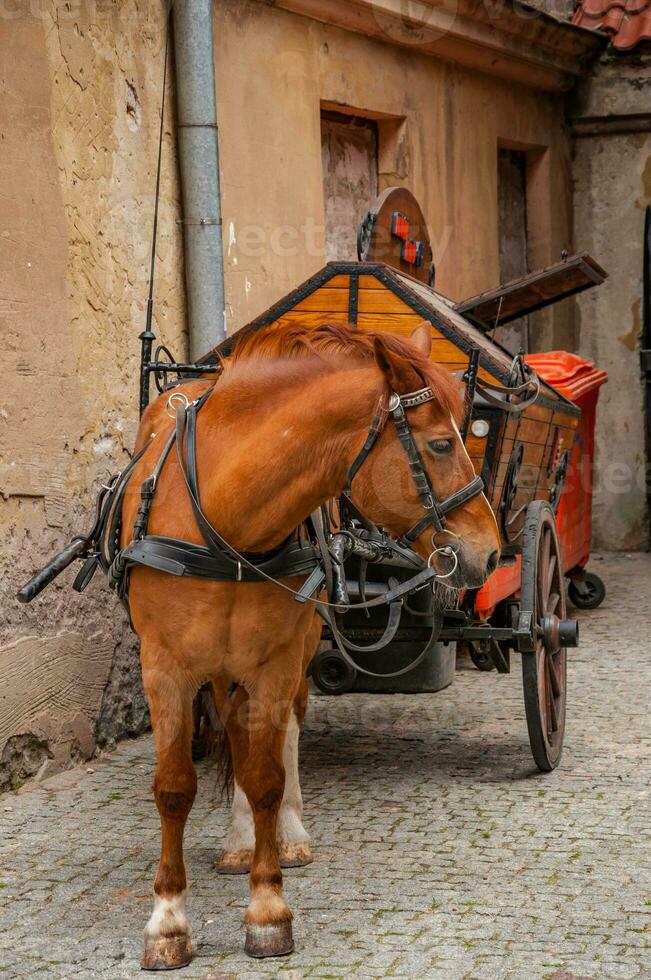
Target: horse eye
[[440, 446]]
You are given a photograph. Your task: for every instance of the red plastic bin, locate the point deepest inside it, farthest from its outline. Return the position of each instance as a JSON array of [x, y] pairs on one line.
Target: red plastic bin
[[580, 381]]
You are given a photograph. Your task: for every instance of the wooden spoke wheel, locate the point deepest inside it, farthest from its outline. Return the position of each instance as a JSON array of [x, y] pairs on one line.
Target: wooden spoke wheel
[[544, 667]]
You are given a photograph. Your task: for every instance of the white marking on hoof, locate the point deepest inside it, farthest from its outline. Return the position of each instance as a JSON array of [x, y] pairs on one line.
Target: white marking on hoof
[[294, 855], [235, 862], [168, 918]]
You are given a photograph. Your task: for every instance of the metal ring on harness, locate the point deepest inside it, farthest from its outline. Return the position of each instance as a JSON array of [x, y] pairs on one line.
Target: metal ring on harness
[[449, 553], [177, 397], [450, 540]]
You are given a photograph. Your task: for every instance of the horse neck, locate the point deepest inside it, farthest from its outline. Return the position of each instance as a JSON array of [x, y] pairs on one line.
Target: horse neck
[[284, 455]]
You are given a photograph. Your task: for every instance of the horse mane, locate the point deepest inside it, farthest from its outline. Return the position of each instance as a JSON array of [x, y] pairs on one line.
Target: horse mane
[[332, 345]]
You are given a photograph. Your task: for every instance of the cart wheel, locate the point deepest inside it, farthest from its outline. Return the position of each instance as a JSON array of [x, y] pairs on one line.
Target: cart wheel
[[331, 673], [544, 668], [592, 594]]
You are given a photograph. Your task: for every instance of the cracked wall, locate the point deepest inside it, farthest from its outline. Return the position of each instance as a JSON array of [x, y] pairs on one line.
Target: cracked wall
[[80, 88], [612, 189]]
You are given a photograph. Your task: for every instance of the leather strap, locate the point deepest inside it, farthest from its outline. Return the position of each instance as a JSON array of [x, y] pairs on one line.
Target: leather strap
[[182, 558], [374, 431], [343, 644], [416, 465], [485, 389], [472, 489]]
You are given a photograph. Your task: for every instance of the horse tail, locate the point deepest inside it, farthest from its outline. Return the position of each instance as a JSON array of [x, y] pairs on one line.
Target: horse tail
[[210, 737], [221, 753]]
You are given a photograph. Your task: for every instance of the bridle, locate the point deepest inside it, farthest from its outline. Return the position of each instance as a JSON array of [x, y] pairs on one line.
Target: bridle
[[435, 509]]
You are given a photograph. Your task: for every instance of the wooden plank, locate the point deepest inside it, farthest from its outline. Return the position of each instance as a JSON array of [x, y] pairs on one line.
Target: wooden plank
[[401, 323], [324, 300], [534, 455], [327, 299], [339, 282], [476, 446], [532, 431], [539, 412], [534, 291], [564, 421], [381, 301], [311, 319], [370, 282]]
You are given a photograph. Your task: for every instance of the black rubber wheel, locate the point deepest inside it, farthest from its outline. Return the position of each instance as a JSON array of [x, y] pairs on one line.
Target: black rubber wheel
[[331, 673], [481, 660], [544, 672], [593, 595]]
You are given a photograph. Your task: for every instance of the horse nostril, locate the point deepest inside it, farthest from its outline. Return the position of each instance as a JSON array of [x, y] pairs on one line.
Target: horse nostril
[[492, 562]]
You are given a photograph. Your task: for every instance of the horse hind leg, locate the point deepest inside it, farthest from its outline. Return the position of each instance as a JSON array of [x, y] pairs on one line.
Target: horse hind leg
[[167, 933], [292, 838]]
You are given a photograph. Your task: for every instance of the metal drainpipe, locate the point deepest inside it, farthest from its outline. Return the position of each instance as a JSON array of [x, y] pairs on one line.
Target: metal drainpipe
[[199, 162]]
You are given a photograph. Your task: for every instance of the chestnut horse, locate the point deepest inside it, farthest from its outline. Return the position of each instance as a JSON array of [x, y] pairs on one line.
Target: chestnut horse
[[275, 440]]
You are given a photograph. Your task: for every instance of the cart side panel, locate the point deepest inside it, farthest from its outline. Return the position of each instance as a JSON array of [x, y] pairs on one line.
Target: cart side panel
[[374, 297]]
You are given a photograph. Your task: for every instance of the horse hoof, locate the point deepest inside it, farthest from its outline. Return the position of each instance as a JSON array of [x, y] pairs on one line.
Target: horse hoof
[[296, 855], [291, 855], [167, 953], [235, 862], [272, 940]]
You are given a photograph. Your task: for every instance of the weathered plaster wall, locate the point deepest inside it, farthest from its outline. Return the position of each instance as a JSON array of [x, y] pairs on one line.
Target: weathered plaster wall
[[349, 162], [80, 93], [612, 188], [439, 130]]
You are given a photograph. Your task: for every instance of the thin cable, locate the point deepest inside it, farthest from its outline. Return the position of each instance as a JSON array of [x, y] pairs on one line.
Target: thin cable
[[150, 298]]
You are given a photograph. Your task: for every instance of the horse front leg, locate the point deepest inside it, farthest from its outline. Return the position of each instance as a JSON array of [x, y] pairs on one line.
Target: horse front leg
[[260, 772], [167, 934]]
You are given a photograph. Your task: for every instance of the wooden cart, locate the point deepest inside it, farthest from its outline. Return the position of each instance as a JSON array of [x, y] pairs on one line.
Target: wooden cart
[[521, 454]]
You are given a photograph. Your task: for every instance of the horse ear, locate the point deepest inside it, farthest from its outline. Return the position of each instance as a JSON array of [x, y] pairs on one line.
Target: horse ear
[[398, 370], [421, 338]]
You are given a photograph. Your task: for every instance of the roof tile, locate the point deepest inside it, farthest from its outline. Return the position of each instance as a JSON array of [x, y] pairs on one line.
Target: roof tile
[[628, 22]]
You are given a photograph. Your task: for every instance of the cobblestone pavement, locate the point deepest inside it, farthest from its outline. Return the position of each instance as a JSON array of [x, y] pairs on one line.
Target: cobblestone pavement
[[440, 852]]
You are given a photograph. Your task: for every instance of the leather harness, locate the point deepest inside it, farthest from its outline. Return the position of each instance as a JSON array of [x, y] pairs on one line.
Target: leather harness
[[307, 551]]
